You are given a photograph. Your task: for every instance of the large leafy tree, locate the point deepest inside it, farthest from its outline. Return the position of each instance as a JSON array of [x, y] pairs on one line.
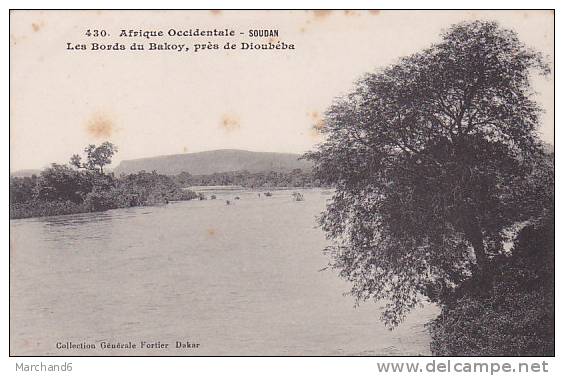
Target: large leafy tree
[[432, 160], [96, 157]]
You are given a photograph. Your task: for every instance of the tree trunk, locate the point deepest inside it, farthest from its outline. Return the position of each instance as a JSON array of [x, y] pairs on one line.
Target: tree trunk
[[474, 234]]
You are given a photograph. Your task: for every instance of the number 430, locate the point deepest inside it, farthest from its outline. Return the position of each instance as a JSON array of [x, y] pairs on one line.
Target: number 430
[[96, 33]]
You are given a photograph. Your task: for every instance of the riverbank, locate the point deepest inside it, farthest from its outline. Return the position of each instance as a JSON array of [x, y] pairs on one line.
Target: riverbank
[[61, 190], [53, 208]]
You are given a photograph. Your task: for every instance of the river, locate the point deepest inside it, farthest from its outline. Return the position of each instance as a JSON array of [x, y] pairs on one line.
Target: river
[[238, 279]]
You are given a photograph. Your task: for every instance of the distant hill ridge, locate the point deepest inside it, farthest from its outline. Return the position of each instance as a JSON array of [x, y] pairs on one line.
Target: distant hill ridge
[[209, 162]]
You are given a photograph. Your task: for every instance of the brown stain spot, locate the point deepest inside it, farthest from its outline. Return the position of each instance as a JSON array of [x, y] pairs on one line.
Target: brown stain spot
[[211, 231], [318, 123], [273, 39], [100, 125], [13, 39], [215, 12], [302, 29], [374, 12], [184, 149], [321, 14], [229, 123], [36, 26], [318, 126]]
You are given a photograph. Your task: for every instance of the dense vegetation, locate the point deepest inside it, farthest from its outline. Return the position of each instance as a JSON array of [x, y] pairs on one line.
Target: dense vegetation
[[84, 187], [438, 169], [515, 317], [295, 178]]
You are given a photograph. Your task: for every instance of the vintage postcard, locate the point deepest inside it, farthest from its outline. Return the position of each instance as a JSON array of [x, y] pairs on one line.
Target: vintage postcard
[[282, 183]]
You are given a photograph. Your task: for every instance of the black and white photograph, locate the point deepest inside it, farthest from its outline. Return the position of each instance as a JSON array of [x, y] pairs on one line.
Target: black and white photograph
[[285, 183]]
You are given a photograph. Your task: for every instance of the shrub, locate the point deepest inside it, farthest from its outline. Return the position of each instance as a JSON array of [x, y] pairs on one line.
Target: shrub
[[45, 208], [62, 190], [507, 323], [99, 200], [516, 316]]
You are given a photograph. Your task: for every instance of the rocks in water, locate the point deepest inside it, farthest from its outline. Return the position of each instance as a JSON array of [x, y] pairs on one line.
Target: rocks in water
[[298, 196]]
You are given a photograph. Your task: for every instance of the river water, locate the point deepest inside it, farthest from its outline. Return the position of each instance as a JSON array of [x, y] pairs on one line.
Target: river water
[[238, 279]]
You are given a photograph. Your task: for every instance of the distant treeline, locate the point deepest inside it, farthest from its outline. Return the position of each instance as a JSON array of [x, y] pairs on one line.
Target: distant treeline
[[84, 187], [295, 178]]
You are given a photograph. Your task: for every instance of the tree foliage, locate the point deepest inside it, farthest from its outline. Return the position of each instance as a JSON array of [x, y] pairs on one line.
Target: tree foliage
[[294, 178], [62, 183], [61, 189], [22, 189], [432, 160], [517, 317], [96, 157]]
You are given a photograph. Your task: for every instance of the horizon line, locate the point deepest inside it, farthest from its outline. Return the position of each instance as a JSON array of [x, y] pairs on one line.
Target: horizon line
[[159, 156]]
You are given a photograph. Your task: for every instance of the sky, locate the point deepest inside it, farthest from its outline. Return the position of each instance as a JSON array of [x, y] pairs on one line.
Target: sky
[[169, 102]]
